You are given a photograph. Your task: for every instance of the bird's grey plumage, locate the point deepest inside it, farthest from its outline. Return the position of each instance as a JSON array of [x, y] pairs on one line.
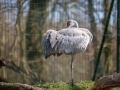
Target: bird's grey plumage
[[70, 40], [65, 41]]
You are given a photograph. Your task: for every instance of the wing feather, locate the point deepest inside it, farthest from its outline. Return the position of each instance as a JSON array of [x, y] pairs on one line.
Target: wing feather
[[53, 39], [74, 40], [46, 47], [48, 42]]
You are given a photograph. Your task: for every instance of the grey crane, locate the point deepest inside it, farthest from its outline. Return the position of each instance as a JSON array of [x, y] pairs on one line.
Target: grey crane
[[70, 41]]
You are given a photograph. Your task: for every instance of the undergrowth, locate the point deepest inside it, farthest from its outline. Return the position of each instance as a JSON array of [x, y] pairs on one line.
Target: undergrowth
[[82, 85]]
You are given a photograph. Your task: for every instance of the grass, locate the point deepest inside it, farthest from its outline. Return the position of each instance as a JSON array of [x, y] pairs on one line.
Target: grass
[[82, 85]]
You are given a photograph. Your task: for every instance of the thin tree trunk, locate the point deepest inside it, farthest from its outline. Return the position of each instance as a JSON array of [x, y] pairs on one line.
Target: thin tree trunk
[[2, 53], [22, 43], [93, 28], [108, 63]]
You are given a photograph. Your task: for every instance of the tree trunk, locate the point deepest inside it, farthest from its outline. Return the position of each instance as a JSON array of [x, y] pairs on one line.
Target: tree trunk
[[24, 63], [93, 28], [34, 26], [108, 63]]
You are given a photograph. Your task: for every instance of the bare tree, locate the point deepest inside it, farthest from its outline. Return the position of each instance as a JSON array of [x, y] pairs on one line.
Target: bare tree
[[93, 27], [22, 40], [108, 63]]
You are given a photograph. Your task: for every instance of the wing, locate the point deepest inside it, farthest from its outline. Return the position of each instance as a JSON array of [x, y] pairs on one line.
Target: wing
[[76, 32], [49, 43], [73, 40], [88, 32]]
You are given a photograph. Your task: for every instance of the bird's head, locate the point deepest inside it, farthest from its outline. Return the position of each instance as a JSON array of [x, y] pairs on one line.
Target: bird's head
[[72, 23]]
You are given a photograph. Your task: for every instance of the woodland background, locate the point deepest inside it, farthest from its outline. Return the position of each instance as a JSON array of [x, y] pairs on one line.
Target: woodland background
[[23, 22]]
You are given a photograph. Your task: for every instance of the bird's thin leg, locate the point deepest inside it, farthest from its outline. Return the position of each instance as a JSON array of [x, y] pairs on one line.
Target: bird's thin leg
[[71, 67]]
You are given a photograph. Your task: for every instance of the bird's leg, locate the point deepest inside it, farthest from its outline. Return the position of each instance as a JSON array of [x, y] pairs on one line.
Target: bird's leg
[[71, 67]]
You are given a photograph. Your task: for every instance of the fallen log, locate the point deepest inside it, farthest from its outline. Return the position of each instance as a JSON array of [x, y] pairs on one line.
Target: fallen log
[[18, 86], [107, 82]]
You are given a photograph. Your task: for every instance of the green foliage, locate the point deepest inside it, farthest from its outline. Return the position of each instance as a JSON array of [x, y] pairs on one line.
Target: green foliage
[[82, 85]]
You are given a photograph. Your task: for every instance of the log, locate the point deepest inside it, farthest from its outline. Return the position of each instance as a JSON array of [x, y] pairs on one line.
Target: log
[[18, 86], [107, 82]]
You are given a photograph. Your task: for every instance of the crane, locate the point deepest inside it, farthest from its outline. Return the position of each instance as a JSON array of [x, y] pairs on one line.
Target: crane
[[70, 41]]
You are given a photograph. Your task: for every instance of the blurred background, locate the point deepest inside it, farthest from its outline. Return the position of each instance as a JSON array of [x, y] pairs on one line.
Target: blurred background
[[22, 24]]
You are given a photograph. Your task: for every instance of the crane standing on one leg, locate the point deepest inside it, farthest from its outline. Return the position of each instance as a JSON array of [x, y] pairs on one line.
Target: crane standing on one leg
[[70, 41]]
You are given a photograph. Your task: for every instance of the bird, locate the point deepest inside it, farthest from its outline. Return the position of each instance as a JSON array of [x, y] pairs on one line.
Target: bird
[[70, 41]]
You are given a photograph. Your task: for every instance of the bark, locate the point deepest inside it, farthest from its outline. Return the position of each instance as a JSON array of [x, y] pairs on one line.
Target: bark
[[108, 63], [17, 86], [108, 82], [24, 63], [35, 25], [93, 28]]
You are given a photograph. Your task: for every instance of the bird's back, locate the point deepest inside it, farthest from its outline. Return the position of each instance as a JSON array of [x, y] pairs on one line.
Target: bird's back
[[67, 41], [74, 40]]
